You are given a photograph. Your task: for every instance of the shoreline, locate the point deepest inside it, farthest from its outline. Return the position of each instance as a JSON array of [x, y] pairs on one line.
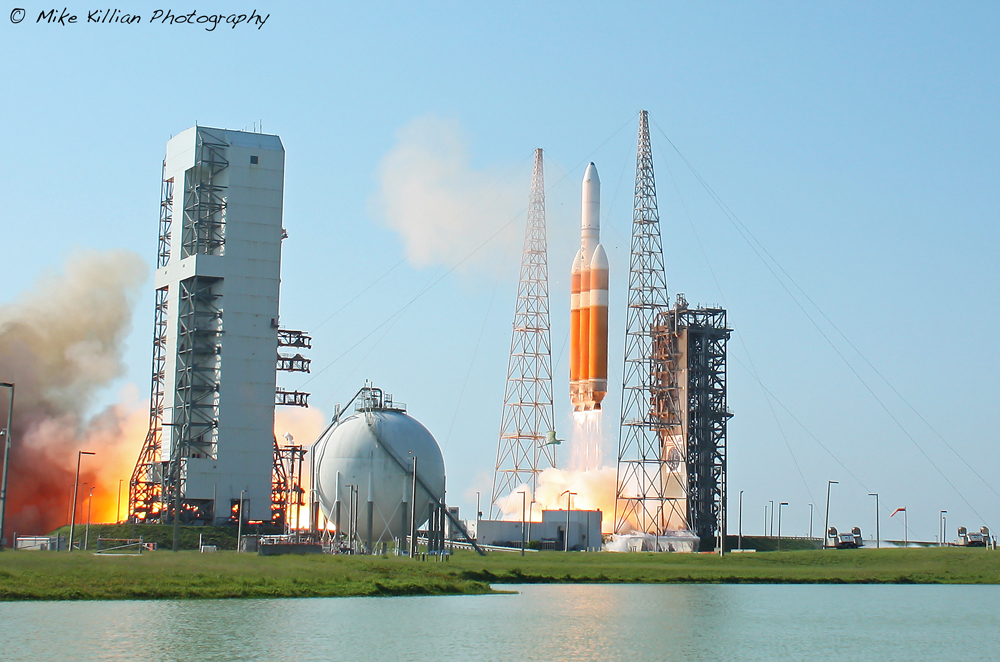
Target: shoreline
[[30, 576]]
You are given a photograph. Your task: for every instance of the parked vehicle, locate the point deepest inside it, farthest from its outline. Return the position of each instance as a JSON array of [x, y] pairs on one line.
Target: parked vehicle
[[968, 538], [846, 540]]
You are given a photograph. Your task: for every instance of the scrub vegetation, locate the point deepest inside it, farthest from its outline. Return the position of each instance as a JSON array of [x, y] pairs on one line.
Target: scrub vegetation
[[164, 574]]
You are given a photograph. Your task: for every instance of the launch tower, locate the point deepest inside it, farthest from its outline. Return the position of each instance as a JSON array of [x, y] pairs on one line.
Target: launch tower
[[672, 439], [527, 411], [689, 404], [210, 448]]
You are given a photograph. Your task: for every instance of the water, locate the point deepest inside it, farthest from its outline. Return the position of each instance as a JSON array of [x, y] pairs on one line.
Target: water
[[542, 622]]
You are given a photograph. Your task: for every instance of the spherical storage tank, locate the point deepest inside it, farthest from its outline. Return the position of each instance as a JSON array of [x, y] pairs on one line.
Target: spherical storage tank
[[373, 450]]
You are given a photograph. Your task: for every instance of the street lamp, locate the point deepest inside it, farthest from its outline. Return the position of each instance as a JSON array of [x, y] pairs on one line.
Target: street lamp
[[413, 510], [878, 533], [906, 529], [810, 520], [779, 524], [76, 483], [524, 498], [90, 506], [942, 526], [739, 537], [569, 507], [826, 520], [479, 513], [7, 437], [118, 504], [239, 525], [771, 528]]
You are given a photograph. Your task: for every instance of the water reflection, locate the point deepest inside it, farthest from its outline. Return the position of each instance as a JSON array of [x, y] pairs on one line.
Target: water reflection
[[572, 622]]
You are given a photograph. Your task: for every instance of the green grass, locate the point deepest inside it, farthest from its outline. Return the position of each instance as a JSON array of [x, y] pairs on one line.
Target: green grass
[[164, 574], [947, 565]]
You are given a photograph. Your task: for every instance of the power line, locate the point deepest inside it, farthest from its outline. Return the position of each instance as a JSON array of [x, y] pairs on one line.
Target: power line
[[747, 235]]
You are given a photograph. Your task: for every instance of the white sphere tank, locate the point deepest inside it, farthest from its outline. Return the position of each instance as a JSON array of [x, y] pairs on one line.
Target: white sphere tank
[[373, 450]]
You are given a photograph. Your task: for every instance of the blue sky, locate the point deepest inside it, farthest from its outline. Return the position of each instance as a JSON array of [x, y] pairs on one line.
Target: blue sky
[[857, 144]]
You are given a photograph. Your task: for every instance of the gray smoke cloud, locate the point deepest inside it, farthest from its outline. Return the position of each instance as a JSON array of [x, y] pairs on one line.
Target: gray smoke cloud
[[61, 342]]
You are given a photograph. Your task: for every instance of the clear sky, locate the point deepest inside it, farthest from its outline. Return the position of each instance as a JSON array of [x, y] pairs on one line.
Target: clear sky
[[857, 144]]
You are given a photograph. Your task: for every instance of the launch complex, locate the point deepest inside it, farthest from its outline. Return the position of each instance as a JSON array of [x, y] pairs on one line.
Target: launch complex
[[671, 464], [211, 455]]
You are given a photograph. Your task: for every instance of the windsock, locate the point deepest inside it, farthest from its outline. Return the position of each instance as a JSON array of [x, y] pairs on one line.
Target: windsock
[[588, 379]]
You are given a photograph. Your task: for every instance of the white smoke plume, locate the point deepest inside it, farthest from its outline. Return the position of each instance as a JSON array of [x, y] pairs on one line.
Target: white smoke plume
[[60, 343], [594, 490], [443, 207]]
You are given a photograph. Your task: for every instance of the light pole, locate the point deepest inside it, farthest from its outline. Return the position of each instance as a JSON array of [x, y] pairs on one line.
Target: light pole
[[90, 505], [810, 520], [739, 537], [76, 483], [569, 507], [826, 519], [239, 525], [7, 437], [479, 514], [878, 533], [779, 523], [765, 520], [771, 527], [524, 498], [118, 504], [942, 524], [413, 511], [906, 532]]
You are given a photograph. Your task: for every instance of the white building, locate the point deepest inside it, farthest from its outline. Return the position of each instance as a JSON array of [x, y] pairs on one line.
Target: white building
[[216, 336], [584, 530]]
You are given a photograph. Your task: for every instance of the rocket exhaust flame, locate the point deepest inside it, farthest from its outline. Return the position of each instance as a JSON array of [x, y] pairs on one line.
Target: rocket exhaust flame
[[589, 305], [586, 454], [60, 343]]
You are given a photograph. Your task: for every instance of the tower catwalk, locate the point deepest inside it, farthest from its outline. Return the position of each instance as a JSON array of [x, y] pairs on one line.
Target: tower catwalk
[[651, 483], [527, 411]]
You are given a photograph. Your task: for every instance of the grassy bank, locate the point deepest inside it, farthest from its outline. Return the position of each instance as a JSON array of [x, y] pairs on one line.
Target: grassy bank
[[922, 566], [81, 575], [163, 574]]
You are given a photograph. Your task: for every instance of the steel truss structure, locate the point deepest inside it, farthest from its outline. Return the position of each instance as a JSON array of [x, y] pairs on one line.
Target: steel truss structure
[[287, 494], [672, 440], [649, 459], [146, 483], [691, 358], [296, 363], [204, 227], [156, 487], [527, 411]]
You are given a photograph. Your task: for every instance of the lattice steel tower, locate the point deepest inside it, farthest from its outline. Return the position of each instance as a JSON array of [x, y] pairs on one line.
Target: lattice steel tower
[[651, 484], [527, 411]]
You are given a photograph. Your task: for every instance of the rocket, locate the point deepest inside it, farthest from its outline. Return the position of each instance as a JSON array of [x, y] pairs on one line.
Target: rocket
[[588, 371]]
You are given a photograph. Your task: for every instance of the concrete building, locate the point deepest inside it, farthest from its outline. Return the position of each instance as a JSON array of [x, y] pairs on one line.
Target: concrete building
[[216, 330], [550, 533]]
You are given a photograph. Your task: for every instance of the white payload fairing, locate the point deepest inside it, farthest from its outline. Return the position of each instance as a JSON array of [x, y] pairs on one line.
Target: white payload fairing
[[588, 378]]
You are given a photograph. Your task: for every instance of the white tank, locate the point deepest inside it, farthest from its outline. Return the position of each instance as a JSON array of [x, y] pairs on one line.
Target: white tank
[[373, 449]]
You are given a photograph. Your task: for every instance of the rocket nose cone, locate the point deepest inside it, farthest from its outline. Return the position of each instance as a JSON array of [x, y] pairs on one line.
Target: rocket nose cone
[[591, 174]]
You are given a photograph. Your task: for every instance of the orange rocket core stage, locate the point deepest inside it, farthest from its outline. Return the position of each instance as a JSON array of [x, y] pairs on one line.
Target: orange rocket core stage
[[589, 305]]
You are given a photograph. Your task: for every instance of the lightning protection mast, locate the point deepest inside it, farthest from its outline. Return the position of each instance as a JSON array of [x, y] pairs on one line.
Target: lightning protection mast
[[651, 485], [527, 410]]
